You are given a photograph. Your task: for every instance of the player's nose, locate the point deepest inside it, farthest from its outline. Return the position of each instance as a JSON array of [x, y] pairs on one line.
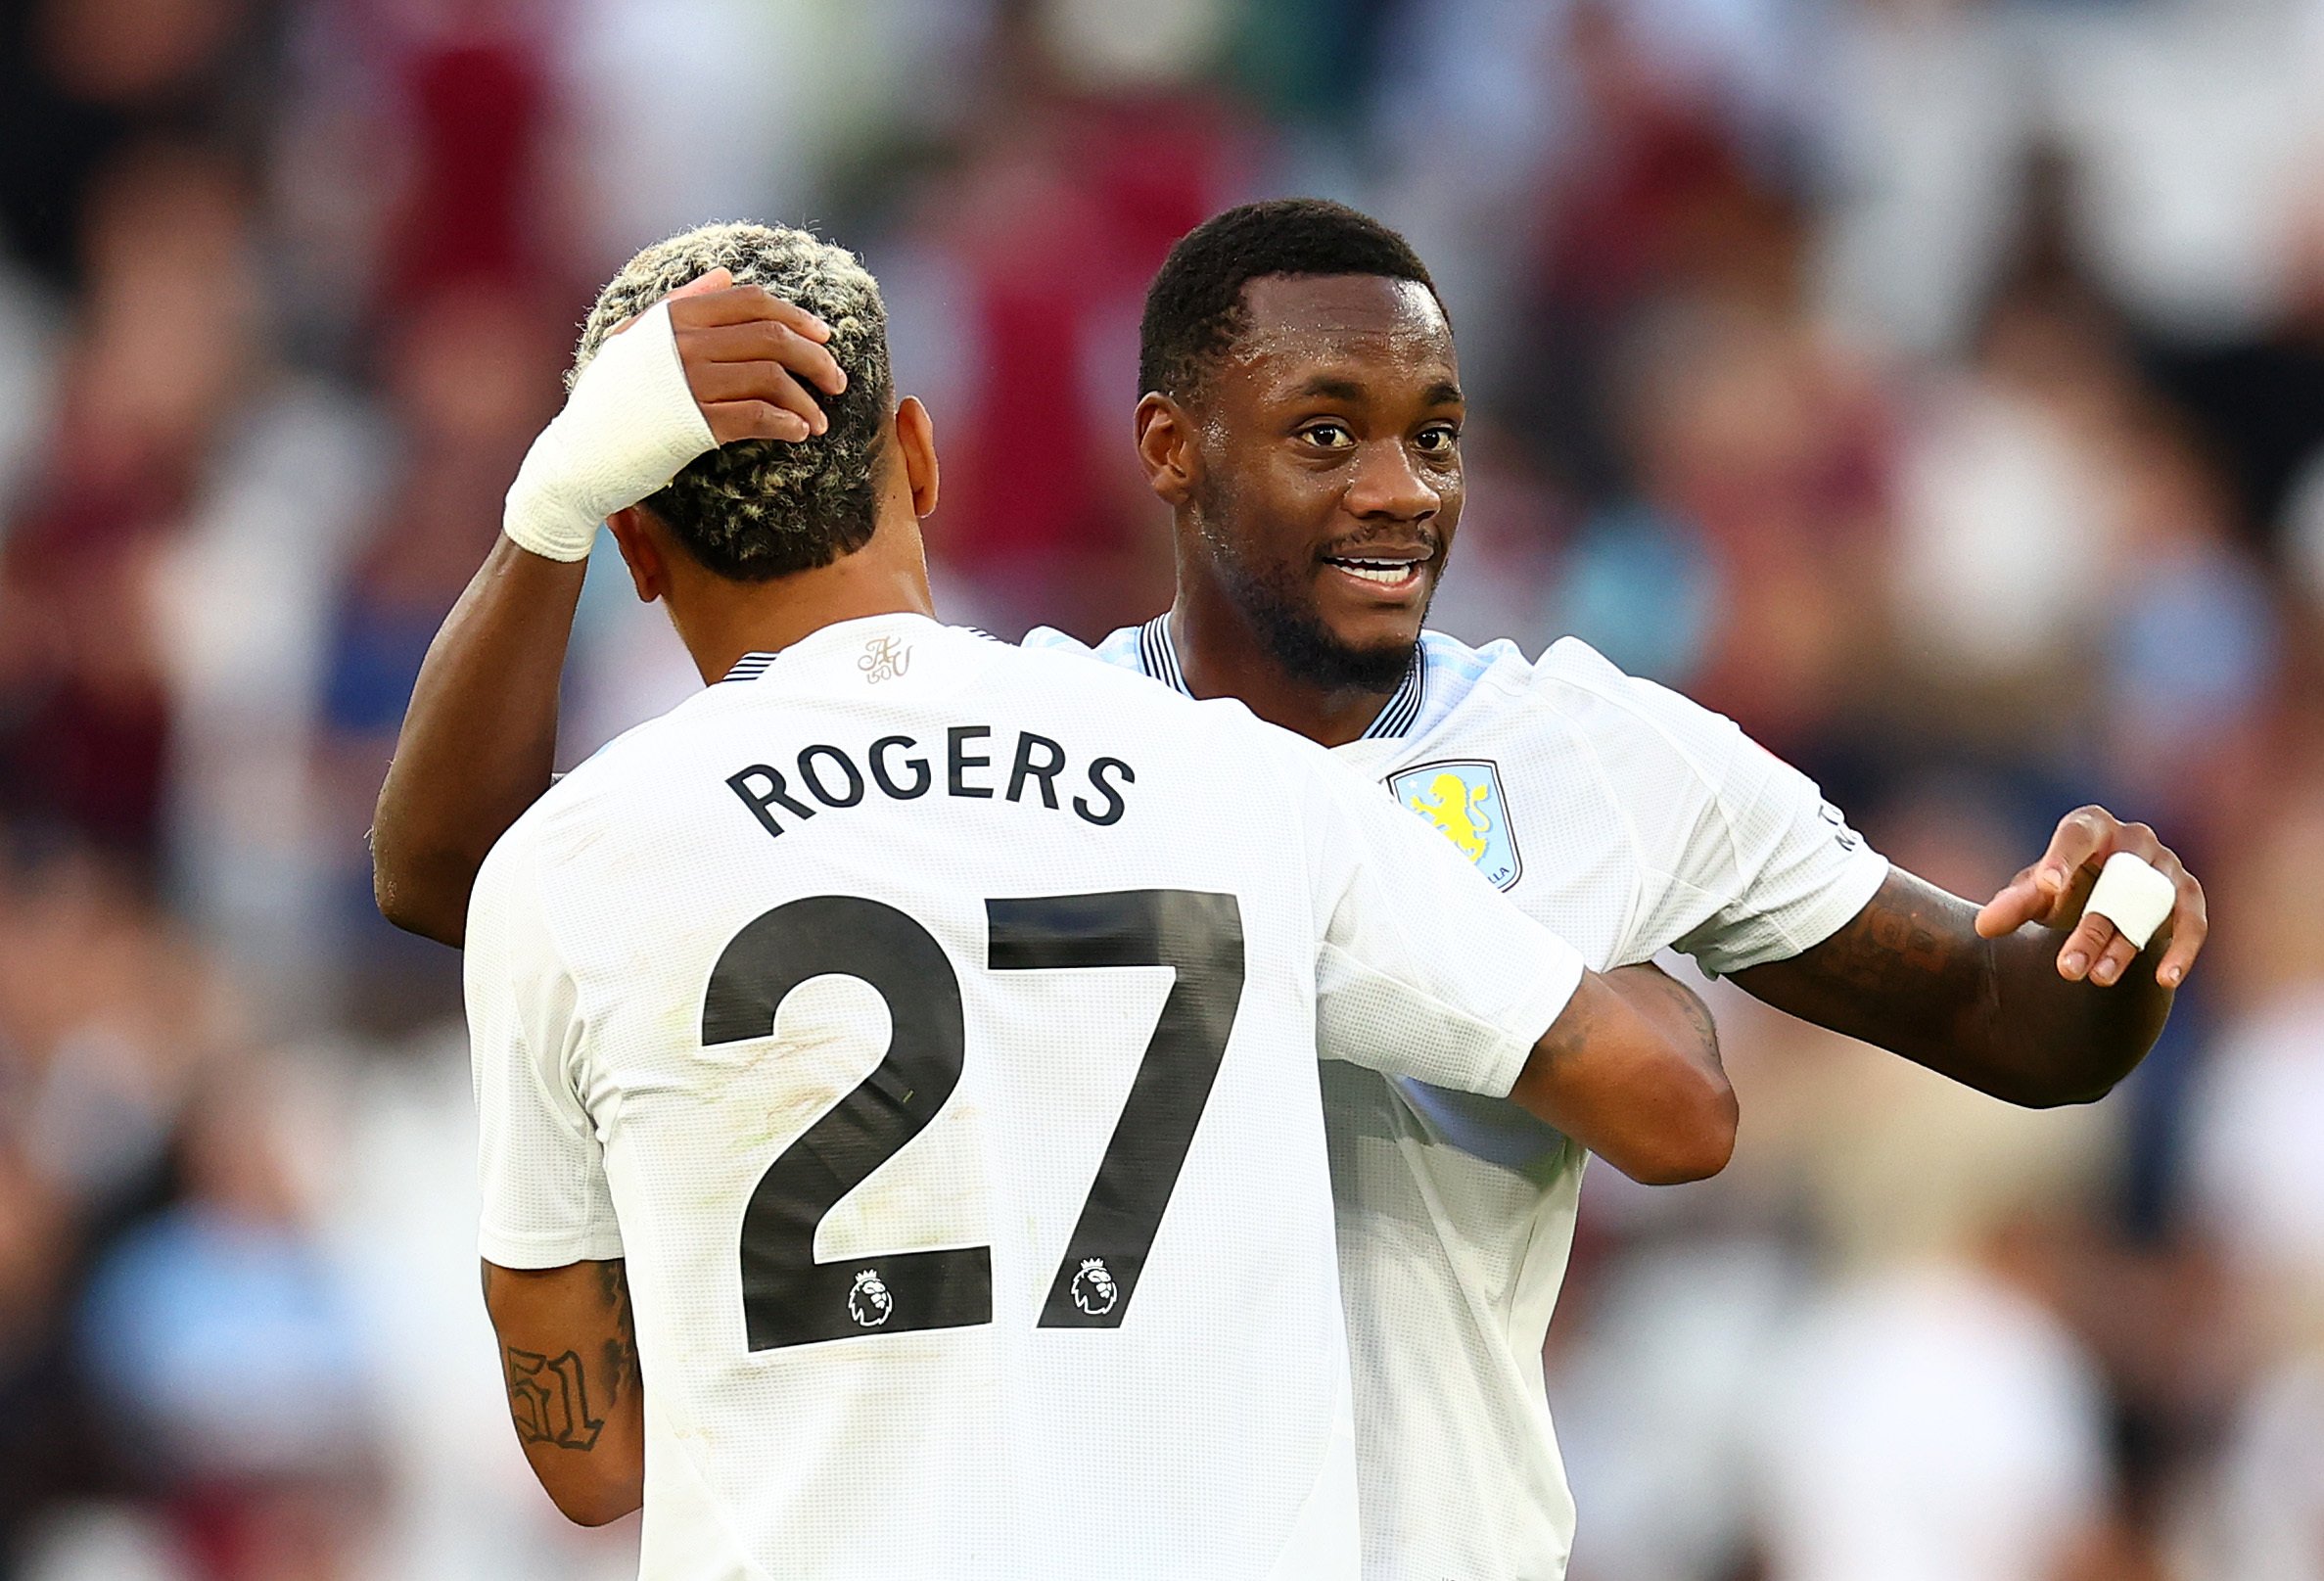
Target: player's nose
[[1386, 486]]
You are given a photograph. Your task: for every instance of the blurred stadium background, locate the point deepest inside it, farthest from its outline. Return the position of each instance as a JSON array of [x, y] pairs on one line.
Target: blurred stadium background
[[1936, 386]]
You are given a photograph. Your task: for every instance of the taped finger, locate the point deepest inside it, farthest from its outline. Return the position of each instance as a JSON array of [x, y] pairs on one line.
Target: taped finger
[[2135, 897]]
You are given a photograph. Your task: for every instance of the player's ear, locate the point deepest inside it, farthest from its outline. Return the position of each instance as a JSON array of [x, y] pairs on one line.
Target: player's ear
[[916, 440], [1167, 449], [639, 552]]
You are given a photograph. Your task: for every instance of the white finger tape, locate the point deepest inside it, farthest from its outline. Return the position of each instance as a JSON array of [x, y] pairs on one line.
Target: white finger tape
[[2134, 896], [628, 426]]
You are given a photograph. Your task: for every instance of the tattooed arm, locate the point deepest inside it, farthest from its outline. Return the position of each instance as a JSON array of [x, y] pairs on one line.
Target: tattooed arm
[[2028, 1000], [1629, 1069], [568, 1355]]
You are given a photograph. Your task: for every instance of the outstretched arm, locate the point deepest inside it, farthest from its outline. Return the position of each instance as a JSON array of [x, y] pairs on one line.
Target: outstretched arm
[[1629, 1069], [569, 1357], [2028, 1000], [479, 741]]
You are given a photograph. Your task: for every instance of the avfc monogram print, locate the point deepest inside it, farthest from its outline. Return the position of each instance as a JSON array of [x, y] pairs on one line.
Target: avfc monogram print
[[1465, 800], [884, 658]]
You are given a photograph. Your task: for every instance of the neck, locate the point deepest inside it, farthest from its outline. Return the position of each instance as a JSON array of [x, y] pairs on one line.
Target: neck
[[722, 621], [1222, 656]]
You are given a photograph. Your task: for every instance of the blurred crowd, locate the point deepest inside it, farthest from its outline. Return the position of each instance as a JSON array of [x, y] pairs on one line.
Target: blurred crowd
[[1936, 386]]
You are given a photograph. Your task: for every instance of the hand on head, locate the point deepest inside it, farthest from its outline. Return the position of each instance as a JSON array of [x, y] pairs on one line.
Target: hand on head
[[745, 351], [634, 420]]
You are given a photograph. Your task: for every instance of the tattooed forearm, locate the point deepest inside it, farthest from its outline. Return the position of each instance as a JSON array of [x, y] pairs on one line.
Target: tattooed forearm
[[619, 1359], [549, 1399], [564, 1398], [1911, 974], [568, 1355], [1912, 940]]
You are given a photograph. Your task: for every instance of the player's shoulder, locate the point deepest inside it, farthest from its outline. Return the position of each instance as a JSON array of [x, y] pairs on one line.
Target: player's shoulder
[[557, 824], [1566, 669], [1118, 648], [1045, 647], [1120, 672], [1577, 687], [619, 785]]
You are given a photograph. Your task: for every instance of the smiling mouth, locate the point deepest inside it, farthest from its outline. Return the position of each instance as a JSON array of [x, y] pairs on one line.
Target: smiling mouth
[[1385, 574]]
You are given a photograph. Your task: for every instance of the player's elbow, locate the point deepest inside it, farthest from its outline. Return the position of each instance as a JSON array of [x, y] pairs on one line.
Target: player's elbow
[[593, 1487], [406, 896], [597, 1505], [2064, 1088], [2056, 1073], [598, 1509], [1692, 1134]]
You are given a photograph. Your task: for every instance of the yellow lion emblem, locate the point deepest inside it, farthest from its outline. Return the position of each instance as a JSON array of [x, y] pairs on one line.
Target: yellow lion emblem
[[1456, 807]]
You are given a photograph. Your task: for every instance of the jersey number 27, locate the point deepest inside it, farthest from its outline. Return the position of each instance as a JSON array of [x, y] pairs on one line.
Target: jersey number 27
[[788, 1297]]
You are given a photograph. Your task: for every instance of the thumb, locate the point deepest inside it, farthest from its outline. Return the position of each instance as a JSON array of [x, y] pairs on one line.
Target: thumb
[[2022, 900]]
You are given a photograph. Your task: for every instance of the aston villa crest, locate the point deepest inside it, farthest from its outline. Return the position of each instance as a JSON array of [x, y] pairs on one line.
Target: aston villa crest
[[1465, 800]]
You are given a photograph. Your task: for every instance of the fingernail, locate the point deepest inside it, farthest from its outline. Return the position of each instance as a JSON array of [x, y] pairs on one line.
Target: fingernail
[[2074, 964], [2107, 972], [2171, 976]]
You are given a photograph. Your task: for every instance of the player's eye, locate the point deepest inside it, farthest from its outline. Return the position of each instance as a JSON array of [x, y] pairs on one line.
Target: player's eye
[[1437, 439], [1328, 435]]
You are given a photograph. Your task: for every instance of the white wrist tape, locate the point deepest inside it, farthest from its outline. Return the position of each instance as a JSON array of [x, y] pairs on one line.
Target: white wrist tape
[[2134, 896], [628, 426]]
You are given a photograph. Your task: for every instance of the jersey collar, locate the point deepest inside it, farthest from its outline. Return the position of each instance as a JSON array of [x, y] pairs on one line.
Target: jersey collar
[[751, 666], [1157, 656]]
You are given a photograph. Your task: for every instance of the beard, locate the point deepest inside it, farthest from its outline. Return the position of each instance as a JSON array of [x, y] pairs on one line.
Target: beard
[[1274, 599]]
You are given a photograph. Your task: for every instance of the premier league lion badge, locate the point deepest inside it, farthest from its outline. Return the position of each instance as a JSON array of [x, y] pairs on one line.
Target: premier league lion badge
[[1094, 1287], [869, 1302], [1465, 800]]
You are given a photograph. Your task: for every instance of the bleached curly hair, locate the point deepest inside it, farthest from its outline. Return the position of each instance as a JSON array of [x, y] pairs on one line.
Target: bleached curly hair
[[758, 509]]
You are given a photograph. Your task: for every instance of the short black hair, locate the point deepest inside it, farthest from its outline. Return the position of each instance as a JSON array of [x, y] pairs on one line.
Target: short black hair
[[1194, 309], [758, 509]]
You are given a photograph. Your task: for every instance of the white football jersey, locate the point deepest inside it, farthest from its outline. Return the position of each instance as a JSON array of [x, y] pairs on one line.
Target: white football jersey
[[932, 1025], [1628, 820]]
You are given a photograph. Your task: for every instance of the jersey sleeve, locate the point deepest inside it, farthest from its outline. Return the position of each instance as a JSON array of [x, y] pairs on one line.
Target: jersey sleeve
[[1744, 862], [1422, 968], [540, 1165]]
